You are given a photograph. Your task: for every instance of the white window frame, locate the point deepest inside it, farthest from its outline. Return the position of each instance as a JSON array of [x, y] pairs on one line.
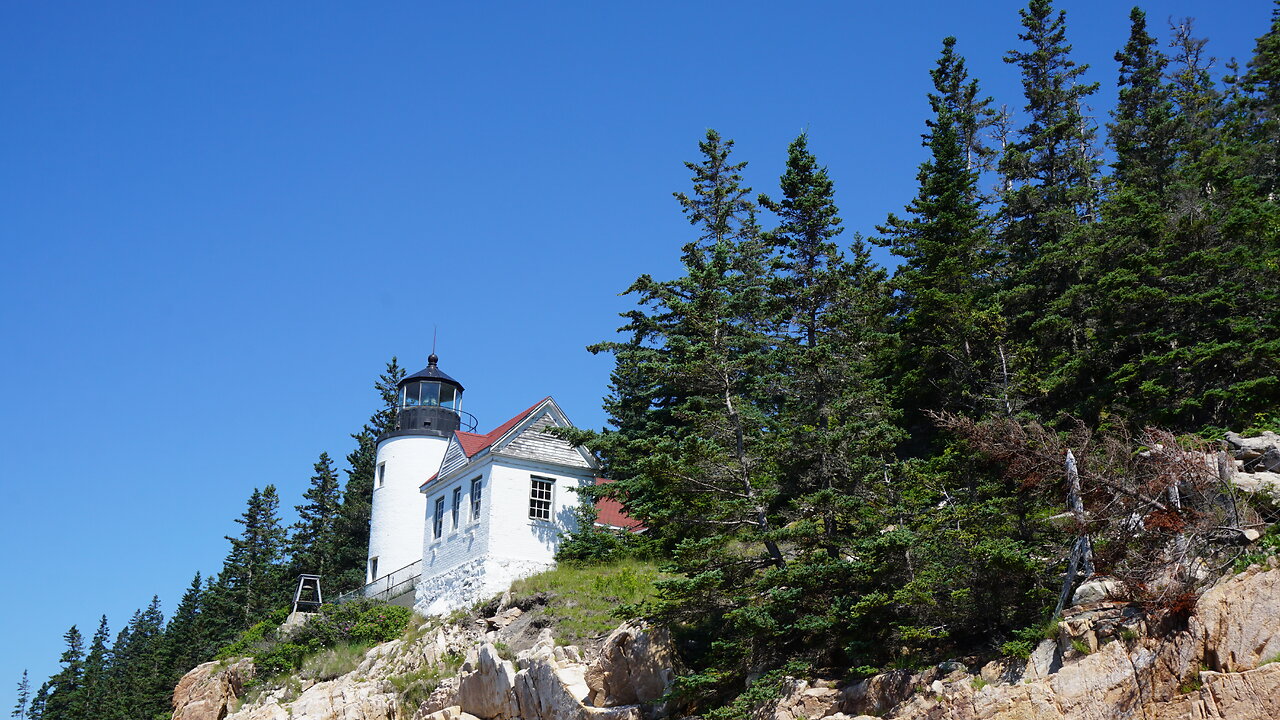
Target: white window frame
[[437, 526], [542, 498], [382, 473], [477, 496], [456, 510]]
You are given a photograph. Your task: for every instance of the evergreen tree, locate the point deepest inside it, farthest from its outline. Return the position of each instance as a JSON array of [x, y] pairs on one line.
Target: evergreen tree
[[314, 536], [352, 526], [24, 698], [252, 580], [1051, 171], [1260, 101], [65, 697], [1123, 285], [140, 679], [186, 639], [949, 327], [97, 668], [38, 702], [833, 426]]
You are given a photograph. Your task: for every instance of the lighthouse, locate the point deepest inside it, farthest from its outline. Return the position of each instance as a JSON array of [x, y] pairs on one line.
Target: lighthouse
[[430, 411]]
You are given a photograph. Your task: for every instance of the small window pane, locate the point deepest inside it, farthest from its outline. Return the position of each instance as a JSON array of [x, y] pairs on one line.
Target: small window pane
[[439, 520], [475, 499], [430, 393], [540, 492], [411, 394], [448, 397]]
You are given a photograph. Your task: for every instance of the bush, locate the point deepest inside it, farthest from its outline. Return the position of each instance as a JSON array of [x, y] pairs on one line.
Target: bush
[[353, 626]]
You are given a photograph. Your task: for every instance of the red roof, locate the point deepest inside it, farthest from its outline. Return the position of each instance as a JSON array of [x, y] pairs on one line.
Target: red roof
[[609, 512], [473, 443]]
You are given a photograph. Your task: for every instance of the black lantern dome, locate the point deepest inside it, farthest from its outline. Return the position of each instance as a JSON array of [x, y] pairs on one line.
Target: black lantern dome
[[430, 402]]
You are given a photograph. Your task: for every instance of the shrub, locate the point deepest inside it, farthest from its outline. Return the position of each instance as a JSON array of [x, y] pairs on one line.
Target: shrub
[[352, 626]]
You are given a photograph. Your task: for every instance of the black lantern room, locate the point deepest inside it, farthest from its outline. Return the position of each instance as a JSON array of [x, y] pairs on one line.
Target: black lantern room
[[430, 402]]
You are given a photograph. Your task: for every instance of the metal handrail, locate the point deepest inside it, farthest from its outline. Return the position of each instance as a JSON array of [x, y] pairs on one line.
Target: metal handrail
[[389, 586]]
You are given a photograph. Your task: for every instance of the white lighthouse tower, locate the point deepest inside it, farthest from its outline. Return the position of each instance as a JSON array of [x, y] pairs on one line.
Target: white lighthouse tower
[[430, 412]]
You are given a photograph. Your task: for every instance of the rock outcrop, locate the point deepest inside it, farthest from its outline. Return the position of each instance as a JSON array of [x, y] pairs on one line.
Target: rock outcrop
[[636, 666], [210, 690], [1225, 664]]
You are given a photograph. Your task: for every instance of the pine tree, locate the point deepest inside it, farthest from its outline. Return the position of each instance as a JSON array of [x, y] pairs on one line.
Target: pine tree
[[24, 698], [352, 526], [1052, 175], [312, 542], [65, 697]]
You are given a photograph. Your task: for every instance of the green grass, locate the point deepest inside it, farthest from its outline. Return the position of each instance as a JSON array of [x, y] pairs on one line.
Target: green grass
[[333, 662], [584, 599], [414, 688], [1080, 646]]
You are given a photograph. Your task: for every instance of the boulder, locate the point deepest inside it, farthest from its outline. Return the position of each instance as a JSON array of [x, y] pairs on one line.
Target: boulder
[[636, 665], [801, 701], [210, 690], [542, 695], [488, 691], [1098, 590], [1241, 621]]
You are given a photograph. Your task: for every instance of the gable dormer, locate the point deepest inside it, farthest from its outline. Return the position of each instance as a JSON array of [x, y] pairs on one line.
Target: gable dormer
[[531, 439]]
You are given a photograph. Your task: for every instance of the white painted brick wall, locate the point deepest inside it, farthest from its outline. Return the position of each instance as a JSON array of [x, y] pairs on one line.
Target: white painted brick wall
[[395, 526], [482, 559]]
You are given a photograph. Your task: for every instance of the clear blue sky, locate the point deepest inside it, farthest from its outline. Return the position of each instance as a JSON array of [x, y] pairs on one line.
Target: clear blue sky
[[221, 219]]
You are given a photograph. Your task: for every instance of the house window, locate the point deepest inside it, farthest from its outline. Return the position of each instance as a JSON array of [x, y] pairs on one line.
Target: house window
[[475, 499], [382, 474], [540, 490], [457, 505], [373, 569], [439, 522]]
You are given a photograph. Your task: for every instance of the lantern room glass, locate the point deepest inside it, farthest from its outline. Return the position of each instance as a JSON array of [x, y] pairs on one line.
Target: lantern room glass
[[430, 394]]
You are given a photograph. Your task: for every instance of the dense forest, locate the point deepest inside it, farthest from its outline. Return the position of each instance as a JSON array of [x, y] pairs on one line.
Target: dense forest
[[846, 468]]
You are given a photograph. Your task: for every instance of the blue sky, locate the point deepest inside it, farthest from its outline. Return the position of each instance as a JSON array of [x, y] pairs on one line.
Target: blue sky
[[221, 219]]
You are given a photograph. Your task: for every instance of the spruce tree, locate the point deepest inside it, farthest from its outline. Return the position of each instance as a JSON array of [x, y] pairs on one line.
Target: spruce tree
[[950, 332], [65, 697], [352, 526], [1123, 284], [97, 682], [1260, 89], [1052, 175], [252, 579], [35, 711], [313, 540], [186, 642], [24, 698], [140, 679]]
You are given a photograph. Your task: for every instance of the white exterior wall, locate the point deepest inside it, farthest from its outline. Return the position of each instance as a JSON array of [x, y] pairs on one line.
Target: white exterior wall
[[514, 535], [482, 559], [395, 526]]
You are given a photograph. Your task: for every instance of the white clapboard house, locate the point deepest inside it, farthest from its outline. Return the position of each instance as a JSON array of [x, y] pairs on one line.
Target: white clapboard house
[[458, 515]]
